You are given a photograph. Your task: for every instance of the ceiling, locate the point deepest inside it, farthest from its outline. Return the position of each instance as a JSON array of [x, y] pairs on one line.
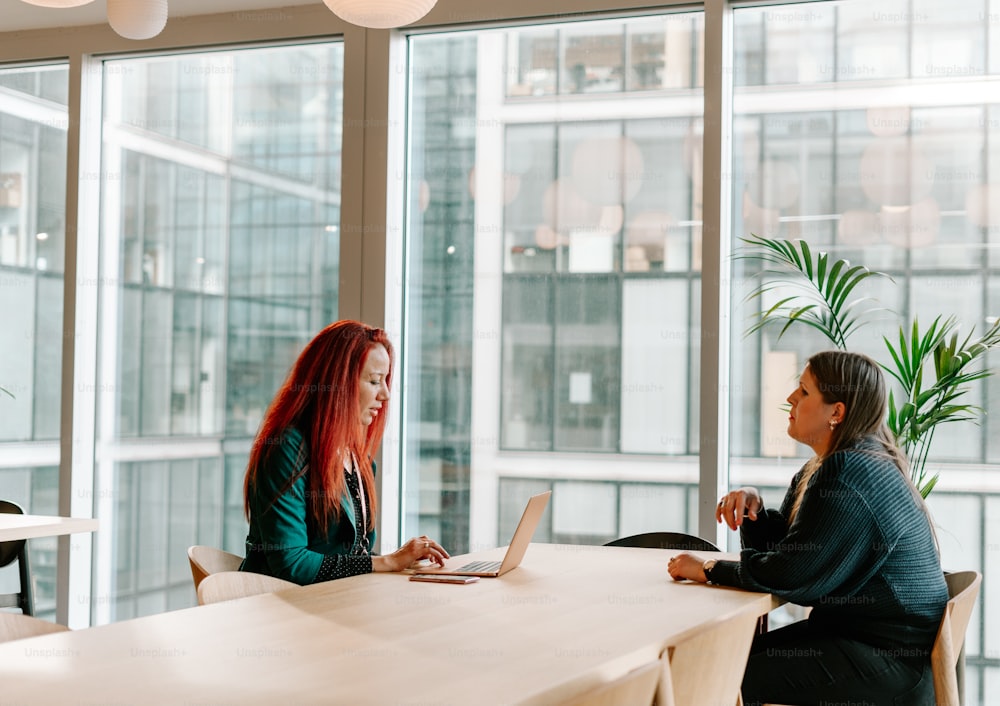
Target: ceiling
[[16, 15]]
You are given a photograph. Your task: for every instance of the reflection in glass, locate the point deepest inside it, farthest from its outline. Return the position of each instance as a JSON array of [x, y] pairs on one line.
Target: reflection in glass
[[661, 217], [32, 246], [528, 390], [533, 58], [33, 121], [873, 43], [584, 204], [800, 45], [856, 42], [592, 58], [587, 364], [222, 261], [893, 174], [641, 54]]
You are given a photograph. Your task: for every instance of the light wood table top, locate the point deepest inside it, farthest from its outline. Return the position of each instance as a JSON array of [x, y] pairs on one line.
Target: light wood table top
[[568, 617], [29, 526]]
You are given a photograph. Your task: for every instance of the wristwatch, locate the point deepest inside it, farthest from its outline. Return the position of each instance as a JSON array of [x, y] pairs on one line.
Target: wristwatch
[[708, 566]]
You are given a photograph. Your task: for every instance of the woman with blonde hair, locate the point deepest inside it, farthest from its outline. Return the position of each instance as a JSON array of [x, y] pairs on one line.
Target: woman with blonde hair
[[309, 491], [852, 540]]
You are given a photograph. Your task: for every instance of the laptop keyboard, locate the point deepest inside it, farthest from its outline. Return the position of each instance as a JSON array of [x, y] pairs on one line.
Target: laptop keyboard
[[480, 566]]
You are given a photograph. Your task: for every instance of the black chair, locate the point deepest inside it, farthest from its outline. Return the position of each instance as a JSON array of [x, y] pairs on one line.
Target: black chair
[[16, 549], [665, 540]]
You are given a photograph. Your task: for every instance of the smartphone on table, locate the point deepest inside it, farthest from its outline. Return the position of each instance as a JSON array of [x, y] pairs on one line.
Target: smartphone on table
[[443, 578]]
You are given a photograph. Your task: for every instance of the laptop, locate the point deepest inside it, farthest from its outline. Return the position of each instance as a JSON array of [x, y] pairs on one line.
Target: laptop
[[515, 552]]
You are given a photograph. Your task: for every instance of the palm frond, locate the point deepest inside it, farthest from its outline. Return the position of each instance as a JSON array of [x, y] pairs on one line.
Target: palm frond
[[824, 283], [933, 367]]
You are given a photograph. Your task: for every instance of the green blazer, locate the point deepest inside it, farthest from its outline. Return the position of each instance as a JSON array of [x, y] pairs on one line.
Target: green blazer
[[281, 542]]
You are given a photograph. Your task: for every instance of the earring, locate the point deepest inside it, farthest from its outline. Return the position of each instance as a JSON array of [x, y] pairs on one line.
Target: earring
[[833, 424]]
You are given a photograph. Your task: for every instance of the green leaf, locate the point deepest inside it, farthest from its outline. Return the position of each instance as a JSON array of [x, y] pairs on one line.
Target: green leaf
[[930, 369], [927, 487], [806, 258]]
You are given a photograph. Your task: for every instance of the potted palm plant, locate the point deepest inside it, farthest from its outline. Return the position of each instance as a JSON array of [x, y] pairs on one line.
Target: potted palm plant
[[933, 366]]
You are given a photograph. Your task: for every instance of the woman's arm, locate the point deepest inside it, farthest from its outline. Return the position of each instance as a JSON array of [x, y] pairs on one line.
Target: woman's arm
[[279, 510], [834, 537], [771, 525]]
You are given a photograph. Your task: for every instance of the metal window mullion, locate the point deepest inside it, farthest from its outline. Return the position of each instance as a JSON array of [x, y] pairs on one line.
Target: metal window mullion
[[79, 344], [226, 194], [716, 206], [984, 272]]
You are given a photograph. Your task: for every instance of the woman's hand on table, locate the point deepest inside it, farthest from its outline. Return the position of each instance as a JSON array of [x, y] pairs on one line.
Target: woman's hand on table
[[686, 566], [417, 549]]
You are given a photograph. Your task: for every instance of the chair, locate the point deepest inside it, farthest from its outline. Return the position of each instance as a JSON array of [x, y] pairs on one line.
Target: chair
[[963, 588], [636, 688], [230, 585], [665, 540], [9, 551], [707, 667], [15, 626], [207, 560]]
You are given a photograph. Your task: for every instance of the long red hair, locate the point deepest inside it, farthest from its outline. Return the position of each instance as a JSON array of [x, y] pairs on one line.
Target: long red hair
[[320, 398]]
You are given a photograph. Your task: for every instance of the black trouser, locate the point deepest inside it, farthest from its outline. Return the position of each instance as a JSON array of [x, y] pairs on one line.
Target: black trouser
[[801, 666]]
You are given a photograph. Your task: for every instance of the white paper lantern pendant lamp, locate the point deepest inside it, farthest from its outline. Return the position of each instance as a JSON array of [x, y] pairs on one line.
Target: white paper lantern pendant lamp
[[380, 14], [58, 3], [137, 19]]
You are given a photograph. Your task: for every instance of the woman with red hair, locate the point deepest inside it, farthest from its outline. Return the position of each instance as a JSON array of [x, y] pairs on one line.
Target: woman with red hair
[[309, 492]]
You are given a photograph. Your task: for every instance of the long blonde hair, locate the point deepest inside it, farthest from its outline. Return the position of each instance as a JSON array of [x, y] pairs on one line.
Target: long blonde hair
[[856, 381]]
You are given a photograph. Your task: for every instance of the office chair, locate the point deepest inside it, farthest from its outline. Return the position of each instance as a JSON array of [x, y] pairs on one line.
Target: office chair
[[636, 688], [707, 667], [230, 585], [207, 560], [963, 588], [17, 549], [14, 626], [946, 655], [665, 540]]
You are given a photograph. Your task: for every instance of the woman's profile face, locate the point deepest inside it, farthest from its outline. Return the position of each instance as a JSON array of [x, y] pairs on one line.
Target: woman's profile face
[[372, 388], [809, 419]]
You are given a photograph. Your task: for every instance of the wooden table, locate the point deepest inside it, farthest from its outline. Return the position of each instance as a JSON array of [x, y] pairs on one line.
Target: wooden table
[[30, 526], [568, 616]]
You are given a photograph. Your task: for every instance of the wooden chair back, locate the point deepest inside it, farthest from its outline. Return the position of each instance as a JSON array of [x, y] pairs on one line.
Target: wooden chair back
[[207, 560], [707, 667], [636, 688], [963, 588], [230, 585], [15, 626]]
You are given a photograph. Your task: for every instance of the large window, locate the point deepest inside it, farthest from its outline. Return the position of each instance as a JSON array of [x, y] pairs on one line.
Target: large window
[[220, 259], [843, 137], [32, 245], [553, 274], [554, 254]]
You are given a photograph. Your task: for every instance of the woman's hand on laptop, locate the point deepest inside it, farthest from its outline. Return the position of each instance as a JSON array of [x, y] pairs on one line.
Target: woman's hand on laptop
[[417, 549]]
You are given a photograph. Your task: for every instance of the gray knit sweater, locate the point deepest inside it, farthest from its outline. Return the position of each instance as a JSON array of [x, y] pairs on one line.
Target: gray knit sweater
[[860, 552]]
